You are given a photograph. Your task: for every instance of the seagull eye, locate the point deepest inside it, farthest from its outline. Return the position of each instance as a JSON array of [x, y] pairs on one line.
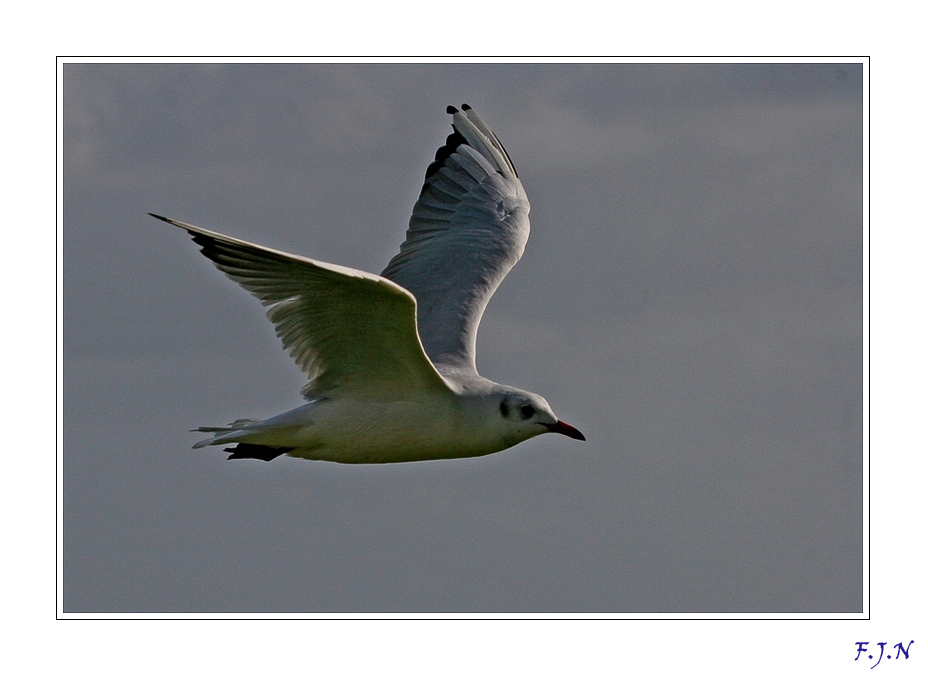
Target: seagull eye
[[504, 409], [527, 411]]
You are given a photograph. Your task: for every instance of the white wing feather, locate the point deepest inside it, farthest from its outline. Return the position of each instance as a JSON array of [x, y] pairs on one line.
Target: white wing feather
[[468, 229], [348, 330]]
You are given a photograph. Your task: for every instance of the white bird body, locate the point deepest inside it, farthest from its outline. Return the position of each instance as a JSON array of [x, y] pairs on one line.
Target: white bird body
[[358, 431], [390, 358]]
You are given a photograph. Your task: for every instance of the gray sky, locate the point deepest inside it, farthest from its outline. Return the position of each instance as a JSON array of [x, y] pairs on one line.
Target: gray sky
[[690, 298]]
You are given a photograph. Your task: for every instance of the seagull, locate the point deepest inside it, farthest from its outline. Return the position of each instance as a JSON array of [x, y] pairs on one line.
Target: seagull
[[390, 358]]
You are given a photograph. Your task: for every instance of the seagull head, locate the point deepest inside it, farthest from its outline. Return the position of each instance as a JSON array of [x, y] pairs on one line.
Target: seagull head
[[523, 415]]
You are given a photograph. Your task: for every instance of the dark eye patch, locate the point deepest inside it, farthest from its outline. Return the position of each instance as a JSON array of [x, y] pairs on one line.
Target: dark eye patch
[[503, 408], [527, 411]]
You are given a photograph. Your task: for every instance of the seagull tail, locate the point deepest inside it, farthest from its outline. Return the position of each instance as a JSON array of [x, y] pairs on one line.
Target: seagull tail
[[221, 433], [236, 434]]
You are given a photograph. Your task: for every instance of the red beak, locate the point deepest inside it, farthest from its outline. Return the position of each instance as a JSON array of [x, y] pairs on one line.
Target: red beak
[[566, 429]]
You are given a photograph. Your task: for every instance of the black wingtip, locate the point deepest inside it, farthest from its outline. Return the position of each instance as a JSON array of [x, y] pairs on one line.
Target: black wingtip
[[454, 140], [451, 110], [465, 107], [158, 216]]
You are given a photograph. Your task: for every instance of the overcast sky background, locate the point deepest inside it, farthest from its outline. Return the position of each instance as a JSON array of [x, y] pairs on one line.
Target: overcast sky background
[[690, 299]]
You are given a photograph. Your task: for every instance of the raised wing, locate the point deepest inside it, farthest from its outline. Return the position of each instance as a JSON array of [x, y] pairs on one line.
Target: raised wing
[[348, 330], [468, 228]]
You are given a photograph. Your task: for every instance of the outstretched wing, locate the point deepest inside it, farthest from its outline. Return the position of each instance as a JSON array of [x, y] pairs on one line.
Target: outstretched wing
[[348, 330], [468, 229]]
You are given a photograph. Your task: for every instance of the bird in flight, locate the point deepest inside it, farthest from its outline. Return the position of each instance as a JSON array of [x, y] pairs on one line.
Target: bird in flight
[[390, 358]]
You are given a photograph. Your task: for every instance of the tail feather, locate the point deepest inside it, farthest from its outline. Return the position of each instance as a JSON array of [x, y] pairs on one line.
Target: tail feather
[[234, 426], [220, 432], [252, 439]]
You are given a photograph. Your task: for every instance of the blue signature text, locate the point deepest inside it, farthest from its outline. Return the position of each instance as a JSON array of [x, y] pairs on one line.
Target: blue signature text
[[901, 651]]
